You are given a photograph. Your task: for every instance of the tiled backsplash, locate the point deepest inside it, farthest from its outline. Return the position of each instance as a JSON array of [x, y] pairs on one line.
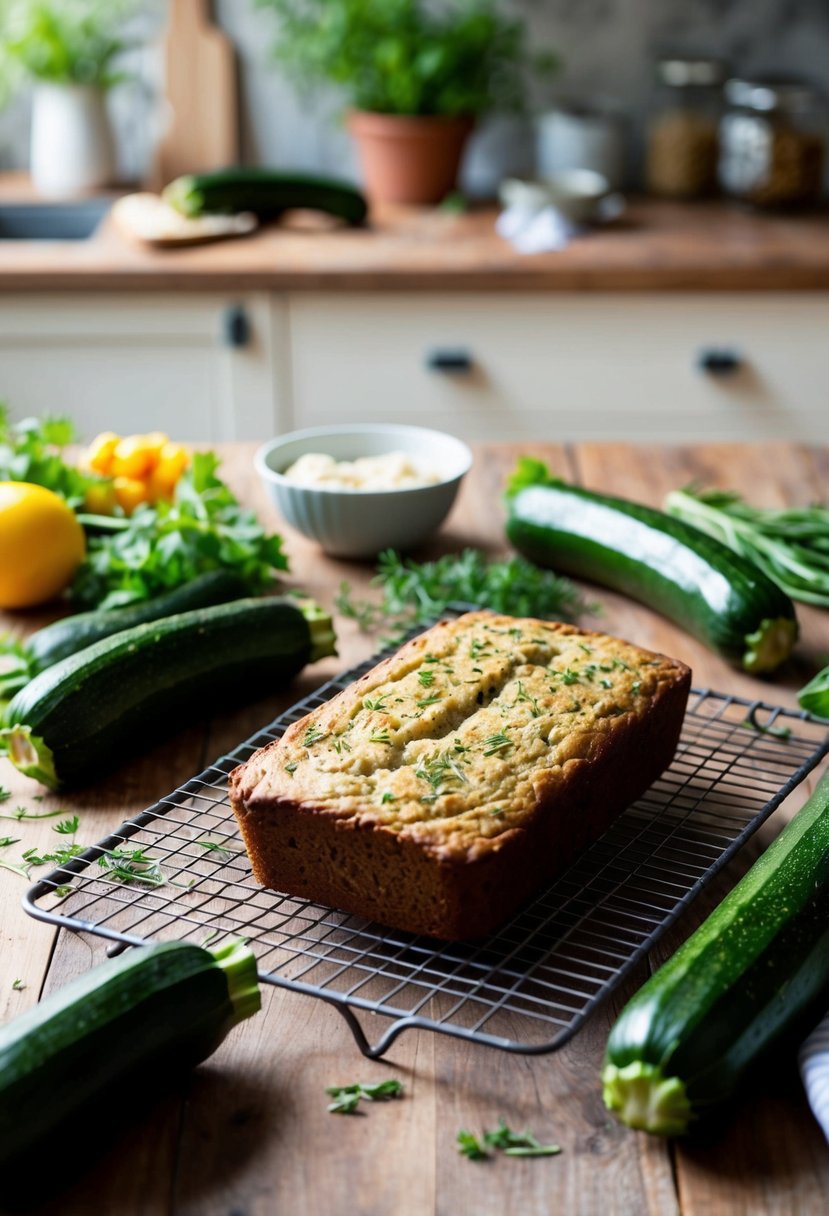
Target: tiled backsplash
[[606, 46]]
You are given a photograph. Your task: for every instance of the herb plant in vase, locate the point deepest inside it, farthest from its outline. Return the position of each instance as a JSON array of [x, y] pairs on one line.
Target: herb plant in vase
[[416, 76], [66, 48]]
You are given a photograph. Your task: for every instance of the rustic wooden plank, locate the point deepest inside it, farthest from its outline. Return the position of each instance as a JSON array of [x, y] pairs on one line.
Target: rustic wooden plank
[[258, 1137], [250, 1132], [601, 1168]]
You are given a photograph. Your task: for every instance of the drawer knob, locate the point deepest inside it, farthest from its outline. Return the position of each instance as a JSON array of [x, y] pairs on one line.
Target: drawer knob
[[719, 361], [450, 362], [236, 326]]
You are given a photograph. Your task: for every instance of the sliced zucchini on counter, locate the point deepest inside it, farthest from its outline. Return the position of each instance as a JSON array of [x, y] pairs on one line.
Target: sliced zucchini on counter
[[264, 192], [758, 966], [720, 598], [87, 712], [123, 1029]]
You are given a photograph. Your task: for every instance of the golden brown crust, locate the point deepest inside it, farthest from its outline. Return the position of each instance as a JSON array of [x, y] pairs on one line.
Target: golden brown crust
[[440, 790]]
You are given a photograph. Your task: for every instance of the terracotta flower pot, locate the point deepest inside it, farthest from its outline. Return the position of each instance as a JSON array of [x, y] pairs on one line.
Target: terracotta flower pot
[[409, 159]]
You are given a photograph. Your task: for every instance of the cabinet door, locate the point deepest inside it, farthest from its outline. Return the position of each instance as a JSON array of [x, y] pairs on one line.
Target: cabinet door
[[199, 367], [559, 366]]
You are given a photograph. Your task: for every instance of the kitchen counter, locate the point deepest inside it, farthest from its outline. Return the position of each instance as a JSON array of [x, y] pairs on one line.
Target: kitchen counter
[[248, 1132], [654, 246]]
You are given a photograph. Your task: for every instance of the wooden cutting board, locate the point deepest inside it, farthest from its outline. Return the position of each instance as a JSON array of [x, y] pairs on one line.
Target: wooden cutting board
[[200, 87]]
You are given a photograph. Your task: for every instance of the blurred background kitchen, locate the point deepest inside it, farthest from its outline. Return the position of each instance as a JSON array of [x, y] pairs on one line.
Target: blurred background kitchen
[[637, 249]]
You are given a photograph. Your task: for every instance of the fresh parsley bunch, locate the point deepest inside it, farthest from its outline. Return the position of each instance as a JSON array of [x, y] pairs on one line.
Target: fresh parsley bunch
[[164, 546]]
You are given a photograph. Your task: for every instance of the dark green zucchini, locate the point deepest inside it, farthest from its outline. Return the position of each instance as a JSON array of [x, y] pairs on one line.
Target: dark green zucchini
[[716, 595], [87, 712], [264, 192], [73, 633], [757, 967], [126, 1027]]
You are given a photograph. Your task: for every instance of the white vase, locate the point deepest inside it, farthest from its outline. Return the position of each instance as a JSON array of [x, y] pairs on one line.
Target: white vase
[[72, 149]]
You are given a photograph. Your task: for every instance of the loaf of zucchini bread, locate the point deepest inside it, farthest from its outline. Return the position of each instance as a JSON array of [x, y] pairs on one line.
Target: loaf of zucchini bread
[[441, 790]]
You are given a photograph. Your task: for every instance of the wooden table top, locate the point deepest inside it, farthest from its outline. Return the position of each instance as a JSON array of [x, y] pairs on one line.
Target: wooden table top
[[249, 1133], [655, 246]]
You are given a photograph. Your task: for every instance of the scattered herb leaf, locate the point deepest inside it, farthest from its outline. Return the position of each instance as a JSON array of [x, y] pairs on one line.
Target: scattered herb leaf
[[132, 866], [347, 1097], [67, 827], [502, 1138], [471, 1147], [216, 846]]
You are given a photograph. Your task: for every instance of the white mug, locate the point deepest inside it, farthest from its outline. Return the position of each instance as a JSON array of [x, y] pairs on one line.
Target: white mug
[[576, 137]]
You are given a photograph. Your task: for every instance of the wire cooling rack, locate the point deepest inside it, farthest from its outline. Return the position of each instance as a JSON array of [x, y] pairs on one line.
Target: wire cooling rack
[[527, 988]]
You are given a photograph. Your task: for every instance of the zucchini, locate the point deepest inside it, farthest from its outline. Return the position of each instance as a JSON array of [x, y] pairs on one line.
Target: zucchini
[[264, 192], [126, 1027], [720, 598], [84, 714], [73, 633], [756, 968]]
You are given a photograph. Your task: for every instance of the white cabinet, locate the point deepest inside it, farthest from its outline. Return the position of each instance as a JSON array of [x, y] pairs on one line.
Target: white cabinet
[[199, 366], [486, 366], [566, 366]]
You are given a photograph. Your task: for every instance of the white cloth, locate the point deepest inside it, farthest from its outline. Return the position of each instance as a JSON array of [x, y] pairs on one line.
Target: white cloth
[[532, 231], [814, 1070]]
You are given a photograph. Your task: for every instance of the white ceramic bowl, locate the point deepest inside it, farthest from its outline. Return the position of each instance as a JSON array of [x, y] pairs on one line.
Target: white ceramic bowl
[[360, 523], [576, 193]]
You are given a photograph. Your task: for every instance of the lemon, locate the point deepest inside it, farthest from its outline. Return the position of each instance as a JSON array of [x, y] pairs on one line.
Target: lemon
[[41, 544]]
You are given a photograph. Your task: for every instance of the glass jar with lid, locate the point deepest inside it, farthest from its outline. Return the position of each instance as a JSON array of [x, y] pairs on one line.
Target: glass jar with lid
[[683, 130], [773, 142]]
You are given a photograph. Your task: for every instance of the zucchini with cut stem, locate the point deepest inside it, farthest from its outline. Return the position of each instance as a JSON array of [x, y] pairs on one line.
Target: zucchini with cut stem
[[89, 711], [125, 1028], [718, 596], [265, 192], [757, 968]]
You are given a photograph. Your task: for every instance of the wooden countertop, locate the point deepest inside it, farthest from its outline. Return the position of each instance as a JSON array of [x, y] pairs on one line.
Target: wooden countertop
[[249, 1133], [654, 246]]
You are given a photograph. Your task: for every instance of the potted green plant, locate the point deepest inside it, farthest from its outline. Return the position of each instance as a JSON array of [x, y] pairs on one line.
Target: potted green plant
[[416, 77], [66, 48]]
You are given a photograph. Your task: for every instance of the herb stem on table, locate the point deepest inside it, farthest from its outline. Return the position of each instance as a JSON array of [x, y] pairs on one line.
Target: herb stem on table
[[505, 1140], [346, 1098]]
